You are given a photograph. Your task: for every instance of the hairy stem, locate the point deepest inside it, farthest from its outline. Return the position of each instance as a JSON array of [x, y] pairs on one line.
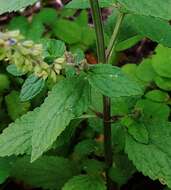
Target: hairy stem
[[106, 100], [112, 42]]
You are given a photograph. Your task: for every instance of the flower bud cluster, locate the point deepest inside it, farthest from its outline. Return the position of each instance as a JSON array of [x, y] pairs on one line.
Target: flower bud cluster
[[79, 66], [28, 56]]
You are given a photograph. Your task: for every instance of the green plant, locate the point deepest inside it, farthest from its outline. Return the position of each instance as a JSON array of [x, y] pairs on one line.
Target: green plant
[[126, 110]]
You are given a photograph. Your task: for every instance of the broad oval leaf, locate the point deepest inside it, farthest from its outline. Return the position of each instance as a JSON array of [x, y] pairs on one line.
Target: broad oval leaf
[[12, 69], [161, 61], [84, 4], [4, 83], [145, 71], [122, 169], [16, 139], [163, 83], [139, 132], [67, 135], [14, 5], [130, 70], [85, 148], [153, 111], [155, 8], [157, 96], [31, 87], [70, 36], [68, 99], [48, 172], [154, 158], [15, 107], [112, 82], [83, 182], [5, 168], [93, 167], [156, 29], [53, 48]]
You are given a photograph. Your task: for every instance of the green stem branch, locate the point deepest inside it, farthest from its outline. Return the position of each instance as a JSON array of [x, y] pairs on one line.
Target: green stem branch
[[112, 42]]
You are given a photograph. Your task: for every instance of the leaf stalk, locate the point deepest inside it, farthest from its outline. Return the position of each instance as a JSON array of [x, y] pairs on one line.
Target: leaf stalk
[[112, 43]]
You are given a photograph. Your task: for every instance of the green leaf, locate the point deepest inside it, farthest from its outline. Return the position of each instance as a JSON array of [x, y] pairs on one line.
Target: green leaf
[[152, 110], [163, 83], [48, 172], [157, 96], [83, 182], [126, 31], [145, 71], [82, 19], [46, 16], [4, 83], [85, 148], [121, 106], [161, 61], [128, 43], [19, 23], [93, 167], [68, 99], [14, 5], [13, 70], [139, 132], [37, 28], [67, 135], [166, 188], [130, 70], [96, 100], [112, 82], [153, 159], [66, 31], [31, 87], [5, 168], [88, 37], [118, 136], [148, 7], [122, 169], [85, 34], [27, 29], [53, 48], [67, 12], [16, 139], [84, 4], [156, 29], [15, 107], [78, 56]]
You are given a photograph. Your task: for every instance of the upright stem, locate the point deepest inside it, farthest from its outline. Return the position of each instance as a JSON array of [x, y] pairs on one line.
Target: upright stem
[[106, 100], [104, 57], [107, 139]]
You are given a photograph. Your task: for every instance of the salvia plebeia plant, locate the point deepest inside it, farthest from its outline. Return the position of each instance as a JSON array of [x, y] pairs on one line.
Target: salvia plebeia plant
[[126, 110]]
